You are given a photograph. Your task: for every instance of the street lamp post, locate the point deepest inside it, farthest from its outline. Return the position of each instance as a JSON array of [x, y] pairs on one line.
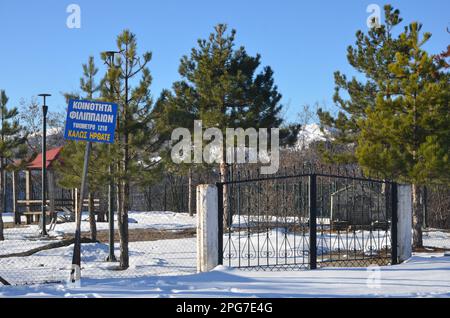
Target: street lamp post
[[44, 163], [111, 256]]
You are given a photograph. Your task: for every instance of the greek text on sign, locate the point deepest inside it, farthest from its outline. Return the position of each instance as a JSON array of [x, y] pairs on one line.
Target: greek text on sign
[[91, 121]]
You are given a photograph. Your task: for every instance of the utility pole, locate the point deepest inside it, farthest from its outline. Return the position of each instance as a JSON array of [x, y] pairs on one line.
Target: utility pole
[[44, 165]]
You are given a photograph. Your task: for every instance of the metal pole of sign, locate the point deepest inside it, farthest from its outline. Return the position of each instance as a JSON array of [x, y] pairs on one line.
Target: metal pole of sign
[[44, 166], [75, 273]]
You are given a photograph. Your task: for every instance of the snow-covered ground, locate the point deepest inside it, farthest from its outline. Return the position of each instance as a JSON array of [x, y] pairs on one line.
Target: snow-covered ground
[[424, 275], [436, 238], [27, 237], [163, 257], [160, 220], [278, 246]]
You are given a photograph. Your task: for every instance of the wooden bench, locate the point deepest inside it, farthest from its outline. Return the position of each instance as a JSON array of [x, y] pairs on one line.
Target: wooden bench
[[35, 216], [31, 209]]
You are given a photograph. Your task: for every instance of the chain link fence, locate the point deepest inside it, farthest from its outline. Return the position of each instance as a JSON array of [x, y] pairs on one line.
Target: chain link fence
[[161, 240], [159, 243]]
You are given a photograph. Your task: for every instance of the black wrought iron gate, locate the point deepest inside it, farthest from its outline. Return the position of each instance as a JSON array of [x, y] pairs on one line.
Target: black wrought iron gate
[[307, 221]]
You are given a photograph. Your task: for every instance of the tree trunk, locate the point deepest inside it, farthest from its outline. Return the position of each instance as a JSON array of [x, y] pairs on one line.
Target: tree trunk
[[123, 225], [123, 233], [124, 256], [2, 186], [123, 216], [2, 237], [191, 205], [101, 214], [223, 177], [417, 216], [149, 198], [92, 223]]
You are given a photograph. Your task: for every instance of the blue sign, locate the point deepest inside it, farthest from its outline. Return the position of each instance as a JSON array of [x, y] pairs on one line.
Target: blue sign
[[91, 121]]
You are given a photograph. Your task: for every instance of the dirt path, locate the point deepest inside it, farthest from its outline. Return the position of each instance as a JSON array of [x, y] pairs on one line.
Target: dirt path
[[138, 235]]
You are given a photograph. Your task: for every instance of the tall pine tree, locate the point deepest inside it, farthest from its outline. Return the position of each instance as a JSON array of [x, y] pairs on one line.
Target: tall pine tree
[[12, 146], [407, 134], [395, 120], [370, 56], [224, 87], [137, 141]]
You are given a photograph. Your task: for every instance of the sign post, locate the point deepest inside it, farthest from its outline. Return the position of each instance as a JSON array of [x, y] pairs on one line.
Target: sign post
[[88, 121]]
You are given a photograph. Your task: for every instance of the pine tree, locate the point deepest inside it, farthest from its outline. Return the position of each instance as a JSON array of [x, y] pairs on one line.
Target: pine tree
[[170, 114], [137, 142], [395, 121], [12, 146], [221, 85], [407, 135], [371, 56]]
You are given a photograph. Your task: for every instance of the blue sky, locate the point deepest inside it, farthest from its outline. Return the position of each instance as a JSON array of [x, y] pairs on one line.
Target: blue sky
[[303, 41]]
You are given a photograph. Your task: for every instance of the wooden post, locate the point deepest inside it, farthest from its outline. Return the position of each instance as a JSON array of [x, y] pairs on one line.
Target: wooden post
[[28, 195], [14, 189], [28, 188], [51, 192]]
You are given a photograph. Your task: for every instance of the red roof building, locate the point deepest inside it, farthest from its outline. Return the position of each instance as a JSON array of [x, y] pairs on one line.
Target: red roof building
[[52, 155]]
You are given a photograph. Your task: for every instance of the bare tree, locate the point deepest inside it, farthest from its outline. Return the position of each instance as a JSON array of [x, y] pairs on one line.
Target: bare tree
[[30, 117]]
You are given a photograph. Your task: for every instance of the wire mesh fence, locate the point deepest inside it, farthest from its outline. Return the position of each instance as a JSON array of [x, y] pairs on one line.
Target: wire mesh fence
[[160, 243]]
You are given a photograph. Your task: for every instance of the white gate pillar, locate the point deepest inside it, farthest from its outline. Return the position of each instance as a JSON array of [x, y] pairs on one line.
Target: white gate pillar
[[404, 223], [207, 227]]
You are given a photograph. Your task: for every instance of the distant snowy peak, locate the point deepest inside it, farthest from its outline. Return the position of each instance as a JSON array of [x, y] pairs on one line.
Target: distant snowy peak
[[50, 132], [308, 134]]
